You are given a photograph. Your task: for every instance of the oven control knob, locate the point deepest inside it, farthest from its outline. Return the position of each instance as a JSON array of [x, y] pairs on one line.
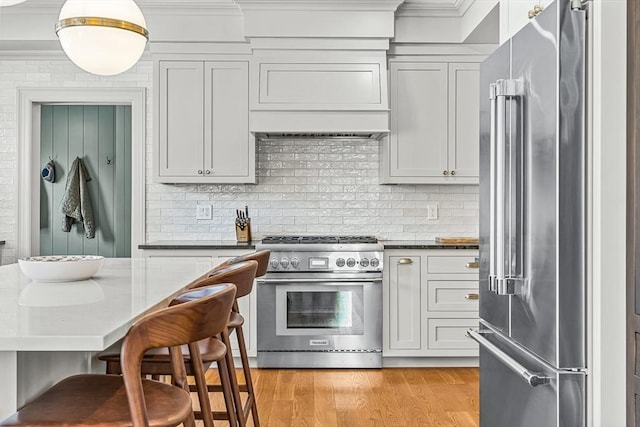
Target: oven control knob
[[284, 262], [351, 262], [295, 262], [274, 263], [340, 262], [374, 262], [364, 262]]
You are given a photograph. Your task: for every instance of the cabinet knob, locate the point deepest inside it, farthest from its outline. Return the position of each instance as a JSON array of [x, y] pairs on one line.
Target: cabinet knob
[[536, 10], [199, 171], [208, 172], [445, 173], [471, 296], [405, 261], [453, 173], [472, 265]]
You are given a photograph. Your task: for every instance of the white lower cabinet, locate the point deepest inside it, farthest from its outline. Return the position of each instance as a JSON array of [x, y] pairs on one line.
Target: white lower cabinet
[[430, 300], [247, 305]]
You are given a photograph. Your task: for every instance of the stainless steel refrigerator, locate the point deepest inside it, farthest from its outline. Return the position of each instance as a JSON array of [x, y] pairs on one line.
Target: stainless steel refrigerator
[[533, 232]]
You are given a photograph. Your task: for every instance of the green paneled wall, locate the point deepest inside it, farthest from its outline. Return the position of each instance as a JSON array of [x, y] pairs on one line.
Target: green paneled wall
[[97, 134]]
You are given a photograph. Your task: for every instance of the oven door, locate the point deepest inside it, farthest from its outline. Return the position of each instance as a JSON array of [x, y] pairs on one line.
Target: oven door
[[320, 315]]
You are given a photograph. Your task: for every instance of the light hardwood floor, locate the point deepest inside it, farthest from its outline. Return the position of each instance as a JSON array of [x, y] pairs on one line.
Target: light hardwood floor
[[392, 397]]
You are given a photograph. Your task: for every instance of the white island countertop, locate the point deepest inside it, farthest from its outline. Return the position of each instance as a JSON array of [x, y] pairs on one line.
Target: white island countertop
[[88, 315], [53, 330]]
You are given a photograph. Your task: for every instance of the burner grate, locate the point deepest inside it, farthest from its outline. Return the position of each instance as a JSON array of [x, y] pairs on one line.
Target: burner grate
[[319, 239]]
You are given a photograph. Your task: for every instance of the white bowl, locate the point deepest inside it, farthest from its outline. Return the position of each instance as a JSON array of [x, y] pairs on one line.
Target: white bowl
[[63, 268]]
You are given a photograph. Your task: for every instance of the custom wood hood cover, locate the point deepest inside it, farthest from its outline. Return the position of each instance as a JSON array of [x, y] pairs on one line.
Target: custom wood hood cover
[[319, 66]]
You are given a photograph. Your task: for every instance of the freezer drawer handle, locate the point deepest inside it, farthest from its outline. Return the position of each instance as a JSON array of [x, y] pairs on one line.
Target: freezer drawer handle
[[405, 261], [531, 378]]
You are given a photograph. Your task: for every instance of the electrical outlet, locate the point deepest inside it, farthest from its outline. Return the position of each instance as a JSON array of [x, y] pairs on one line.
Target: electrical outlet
[[204, 212], [432, 211]]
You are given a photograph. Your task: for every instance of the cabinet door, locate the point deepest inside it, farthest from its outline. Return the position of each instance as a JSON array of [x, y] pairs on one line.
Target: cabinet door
[[405, 328], [514, 14], [228, 152], [464, 117], [418, 140], [181, 134]]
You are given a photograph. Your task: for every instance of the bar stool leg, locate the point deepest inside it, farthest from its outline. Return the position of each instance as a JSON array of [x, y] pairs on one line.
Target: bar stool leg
[[247, 376], [225, 382], [242, 421], [201, 385]]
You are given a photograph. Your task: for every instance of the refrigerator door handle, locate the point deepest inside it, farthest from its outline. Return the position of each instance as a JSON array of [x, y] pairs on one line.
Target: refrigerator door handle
[[492, 190], [499, 282], [531, 378]]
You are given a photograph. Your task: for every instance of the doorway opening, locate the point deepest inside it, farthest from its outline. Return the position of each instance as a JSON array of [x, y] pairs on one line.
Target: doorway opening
[[30, 105], [98, 136]]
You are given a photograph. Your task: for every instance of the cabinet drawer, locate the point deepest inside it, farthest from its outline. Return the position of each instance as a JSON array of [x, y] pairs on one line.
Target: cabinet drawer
[[452, 264], [452, 295], [450, 334]]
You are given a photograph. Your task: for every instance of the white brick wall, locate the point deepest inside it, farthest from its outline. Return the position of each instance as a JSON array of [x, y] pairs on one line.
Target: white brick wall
[[304, 186], [314, 186]]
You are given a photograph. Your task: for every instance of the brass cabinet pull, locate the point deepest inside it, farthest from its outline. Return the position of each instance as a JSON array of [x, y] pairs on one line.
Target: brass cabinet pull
[[405, 261], [199, 171], [453, 173], [208, 172], [445, 173], [472, 265], [471, 296]]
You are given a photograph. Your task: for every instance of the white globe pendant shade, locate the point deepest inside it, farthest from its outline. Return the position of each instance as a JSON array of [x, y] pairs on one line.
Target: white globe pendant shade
[[104, 37], [10, 2]]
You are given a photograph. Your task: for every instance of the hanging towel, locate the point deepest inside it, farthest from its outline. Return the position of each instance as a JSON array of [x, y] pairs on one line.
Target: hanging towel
[[75, 203]]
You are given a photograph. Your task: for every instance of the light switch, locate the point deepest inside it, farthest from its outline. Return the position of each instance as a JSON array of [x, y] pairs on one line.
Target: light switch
[[204, 212]]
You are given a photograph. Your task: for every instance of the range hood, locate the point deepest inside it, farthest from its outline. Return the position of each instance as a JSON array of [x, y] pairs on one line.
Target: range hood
[[319, 67], [346, 100], [329, 94]]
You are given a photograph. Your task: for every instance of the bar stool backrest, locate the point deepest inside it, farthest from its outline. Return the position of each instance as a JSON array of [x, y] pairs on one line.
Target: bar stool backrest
[[240, 274], [191, 317], [261, 257]]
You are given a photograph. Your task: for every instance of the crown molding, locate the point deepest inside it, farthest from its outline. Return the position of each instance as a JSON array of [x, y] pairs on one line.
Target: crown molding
[[434, 8], [320, 5]]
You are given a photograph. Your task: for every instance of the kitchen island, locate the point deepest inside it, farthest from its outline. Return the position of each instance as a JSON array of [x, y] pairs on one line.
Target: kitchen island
[[53, 330]]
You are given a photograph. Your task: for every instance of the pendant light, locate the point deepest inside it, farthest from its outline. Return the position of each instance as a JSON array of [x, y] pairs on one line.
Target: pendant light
[[104, 37]]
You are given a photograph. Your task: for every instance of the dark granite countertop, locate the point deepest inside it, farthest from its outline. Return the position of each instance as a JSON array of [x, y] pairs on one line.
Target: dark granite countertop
[[232, 244], [197, 244], [424, 244]]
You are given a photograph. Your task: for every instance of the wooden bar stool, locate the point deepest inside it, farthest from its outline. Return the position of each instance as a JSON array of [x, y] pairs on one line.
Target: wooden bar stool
[[235, 324], [114, 400], [158, 362]]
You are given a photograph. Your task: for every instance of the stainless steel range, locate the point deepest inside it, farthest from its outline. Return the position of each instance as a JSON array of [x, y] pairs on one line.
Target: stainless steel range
[[320, 303]]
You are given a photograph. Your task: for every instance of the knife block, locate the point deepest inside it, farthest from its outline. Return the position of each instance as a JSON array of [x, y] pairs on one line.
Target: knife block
[[243, 235]]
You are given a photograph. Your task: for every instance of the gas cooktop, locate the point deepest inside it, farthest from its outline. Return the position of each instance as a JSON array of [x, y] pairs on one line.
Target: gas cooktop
[[318, 239]]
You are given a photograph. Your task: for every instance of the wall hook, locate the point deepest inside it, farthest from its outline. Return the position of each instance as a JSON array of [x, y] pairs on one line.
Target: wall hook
[[108, 160]]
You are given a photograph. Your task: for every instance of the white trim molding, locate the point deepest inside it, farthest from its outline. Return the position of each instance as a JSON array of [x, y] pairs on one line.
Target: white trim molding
[[29, 101]]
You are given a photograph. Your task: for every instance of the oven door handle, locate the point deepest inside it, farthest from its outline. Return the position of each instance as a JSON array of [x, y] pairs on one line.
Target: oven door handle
[[328, 280]]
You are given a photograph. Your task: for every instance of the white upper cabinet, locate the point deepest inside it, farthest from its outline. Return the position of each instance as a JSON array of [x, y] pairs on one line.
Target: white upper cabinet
[[203, 123], [515, 14], [434, 124], [464, 120]]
